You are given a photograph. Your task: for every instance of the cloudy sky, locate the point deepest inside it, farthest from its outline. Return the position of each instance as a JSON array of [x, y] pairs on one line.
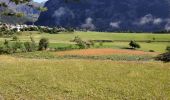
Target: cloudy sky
[[40, 0]]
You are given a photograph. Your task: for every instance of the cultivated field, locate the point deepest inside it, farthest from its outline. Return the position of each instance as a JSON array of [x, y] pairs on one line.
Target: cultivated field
[[104, 72]]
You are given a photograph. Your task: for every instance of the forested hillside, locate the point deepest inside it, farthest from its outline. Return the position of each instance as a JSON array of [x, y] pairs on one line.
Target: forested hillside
[[108, 15]]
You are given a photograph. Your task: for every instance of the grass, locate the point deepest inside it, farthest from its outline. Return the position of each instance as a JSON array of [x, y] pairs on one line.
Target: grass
[[156, 46], [64, 39], [83, 79], [48, 76], [113, 57]]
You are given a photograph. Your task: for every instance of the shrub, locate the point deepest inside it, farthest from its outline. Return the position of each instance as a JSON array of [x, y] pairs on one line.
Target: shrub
[[148, 41], [6, 48], [134, 45], [80, 43], [70, 29], [30, 46], [18, 47], [101, 44], [43, 44], [92, 43], [1, 50], [151, 51], [14, 38], [54, 31], [14, 47], [164, 57], [6, 42], [168, 48]]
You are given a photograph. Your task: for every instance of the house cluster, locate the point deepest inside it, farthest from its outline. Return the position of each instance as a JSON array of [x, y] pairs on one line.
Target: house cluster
[[17, 27]]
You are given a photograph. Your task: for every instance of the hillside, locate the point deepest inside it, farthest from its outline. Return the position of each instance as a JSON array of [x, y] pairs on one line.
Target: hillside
[[30, 13], [108, 15]]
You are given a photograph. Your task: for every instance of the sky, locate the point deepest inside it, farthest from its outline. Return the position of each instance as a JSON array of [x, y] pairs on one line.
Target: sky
[[40, 0]]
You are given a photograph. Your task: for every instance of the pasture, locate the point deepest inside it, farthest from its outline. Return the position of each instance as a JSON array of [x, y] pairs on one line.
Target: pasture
[[148, 41], [70, 79], [104, 72]]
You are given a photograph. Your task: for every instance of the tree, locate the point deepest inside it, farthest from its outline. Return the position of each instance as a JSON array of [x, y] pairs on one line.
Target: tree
[[43, 44], [134, 45]]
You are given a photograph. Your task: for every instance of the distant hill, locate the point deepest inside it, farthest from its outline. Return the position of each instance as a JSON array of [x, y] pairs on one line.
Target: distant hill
[[30, 14], [108, 15]]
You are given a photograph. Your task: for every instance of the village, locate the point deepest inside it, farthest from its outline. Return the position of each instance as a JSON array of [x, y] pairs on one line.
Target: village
[[25, 27], [17, 27]]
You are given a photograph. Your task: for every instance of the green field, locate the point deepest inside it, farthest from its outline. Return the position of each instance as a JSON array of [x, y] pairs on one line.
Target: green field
[[66, 37], [121, 39], [46, 75], [63, 37], [83, 79]]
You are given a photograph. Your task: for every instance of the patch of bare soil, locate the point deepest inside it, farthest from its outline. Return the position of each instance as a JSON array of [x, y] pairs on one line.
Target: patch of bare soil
[[88, 52]]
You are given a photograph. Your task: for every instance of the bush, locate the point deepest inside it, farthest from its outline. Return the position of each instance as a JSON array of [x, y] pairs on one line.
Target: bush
[[101, 44], [14, 38], [151, 51], [30, 29], [134, 45], [14, 47], [70, 29], [43, 44], [148, 41], [30, 46], [80, 43], [164, 57], [168, 48], [18, 47], [92, 43], [6, 48]]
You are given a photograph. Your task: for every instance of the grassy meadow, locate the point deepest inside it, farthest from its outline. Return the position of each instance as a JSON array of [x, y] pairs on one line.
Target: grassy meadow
[[37, 79], [120, 40], [122, 75], [66, 37]]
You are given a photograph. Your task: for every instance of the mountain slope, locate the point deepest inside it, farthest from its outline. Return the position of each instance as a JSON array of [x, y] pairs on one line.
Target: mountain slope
[[30, 14], [108, 15]]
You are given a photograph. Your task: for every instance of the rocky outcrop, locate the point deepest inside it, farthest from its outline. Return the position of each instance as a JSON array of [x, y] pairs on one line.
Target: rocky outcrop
[[29, 12]]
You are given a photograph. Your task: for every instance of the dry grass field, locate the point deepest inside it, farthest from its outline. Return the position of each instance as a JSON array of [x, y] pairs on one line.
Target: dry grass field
[[71, 79]]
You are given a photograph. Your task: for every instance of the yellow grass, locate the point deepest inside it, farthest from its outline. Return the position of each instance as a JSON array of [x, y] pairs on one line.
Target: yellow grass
[[35, 79]]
